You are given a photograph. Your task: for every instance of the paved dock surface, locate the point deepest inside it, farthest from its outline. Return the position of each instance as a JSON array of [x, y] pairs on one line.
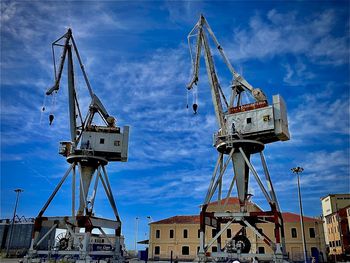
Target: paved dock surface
[[15, 260]]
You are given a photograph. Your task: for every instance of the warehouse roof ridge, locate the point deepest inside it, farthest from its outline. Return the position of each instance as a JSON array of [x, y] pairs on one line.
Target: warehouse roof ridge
[[288, 217]]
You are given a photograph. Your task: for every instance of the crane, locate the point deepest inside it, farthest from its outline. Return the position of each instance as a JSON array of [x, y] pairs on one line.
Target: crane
[[244, 129], [96, 105], [90, 148]]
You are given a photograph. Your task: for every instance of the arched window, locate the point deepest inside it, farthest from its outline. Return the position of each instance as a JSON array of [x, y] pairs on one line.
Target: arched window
[[185, 233]]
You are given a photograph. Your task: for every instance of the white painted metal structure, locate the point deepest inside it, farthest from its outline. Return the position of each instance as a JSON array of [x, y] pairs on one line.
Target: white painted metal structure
[[88, 152], [243, 131]]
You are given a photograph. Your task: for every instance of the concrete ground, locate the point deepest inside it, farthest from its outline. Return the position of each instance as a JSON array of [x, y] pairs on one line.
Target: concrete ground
[[15, 260]]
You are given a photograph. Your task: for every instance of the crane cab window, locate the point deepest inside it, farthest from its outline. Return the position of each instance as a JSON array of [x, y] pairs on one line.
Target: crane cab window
[[102, 141]]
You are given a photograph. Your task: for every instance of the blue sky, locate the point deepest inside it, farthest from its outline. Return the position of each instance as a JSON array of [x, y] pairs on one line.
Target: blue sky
[[137, 60]]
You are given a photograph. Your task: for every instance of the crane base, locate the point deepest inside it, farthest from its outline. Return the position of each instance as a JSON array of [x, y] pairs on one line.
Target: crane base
[[72, 244]]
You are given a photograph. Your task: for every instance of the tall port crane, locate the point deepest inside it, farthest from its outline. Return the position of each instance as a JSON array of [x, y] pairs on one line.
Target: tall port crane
[[90, 148], [244, 129]]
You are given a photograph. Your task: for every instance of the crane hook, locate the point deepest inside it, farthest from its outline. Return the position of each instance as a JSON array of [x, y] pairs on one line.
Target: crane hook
[[51, 117], [195, 107]]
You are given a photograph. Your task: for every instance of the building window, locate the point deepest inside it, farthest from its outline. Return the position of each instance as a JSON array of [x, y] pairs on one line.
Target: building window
[[102, 140], [213, 232], [229, 233], [157, 233], [156, 250], [171, 234], [199, 233], [261, 250], [214, 249], [294, 232], [185, 250], [185, 233], [197, 249], [312, 232]]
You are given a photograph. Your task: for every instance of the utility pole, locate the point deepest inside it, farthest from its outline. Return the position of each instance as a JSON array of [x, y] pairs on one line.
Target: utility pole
[[18, 191], [298, 170]]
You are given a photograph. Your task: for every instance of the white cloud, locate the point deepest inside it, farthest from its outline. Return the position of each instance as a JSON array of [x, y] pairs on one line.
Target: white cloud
[[320, 114], [289, 33], [170, 149], [297, 74], [323, 161], [184, 11]]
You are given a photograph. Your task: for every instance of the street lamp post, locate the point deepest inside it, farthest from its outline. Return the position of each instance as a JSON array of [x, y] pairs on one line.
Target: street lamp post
[[136, 232], [18, 191], [150, 220], [298, 170]]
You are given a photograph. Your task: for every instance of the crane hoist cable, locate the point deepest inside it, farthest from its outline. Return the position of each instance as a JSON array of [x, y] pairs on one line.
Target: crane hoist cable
[[195, 99], [42, 109], [53, 108]]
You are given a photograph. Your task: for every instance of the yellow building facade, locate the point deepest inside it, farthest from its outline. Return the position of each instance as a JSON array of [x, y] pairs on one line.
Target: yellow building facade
[[178, 236], [338, 232], [330, 205]]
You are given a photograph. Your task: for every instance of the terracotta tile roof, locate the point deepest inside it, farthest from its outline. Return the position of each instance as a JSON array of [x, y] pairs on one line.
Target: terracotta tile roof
[[179, 220], [291, 218], [194, 219], [231, 201]]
